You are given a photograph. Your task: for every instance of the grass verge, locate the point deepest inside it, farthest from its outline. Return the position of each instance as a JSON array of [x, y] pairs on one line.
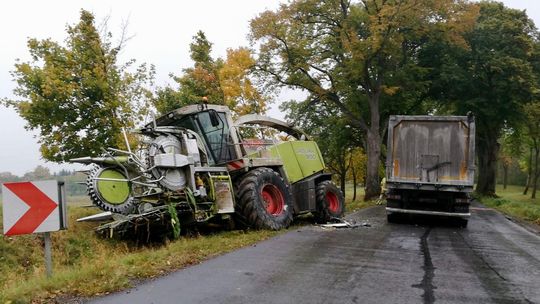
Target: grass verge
[[359, 203], [511, 201], [86, 265]]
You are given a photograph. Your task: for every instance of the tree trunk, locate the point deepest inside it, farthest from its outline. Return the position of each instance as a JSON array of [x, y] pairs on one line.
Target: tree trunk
[[342, 182], [339, 166], [488, 149], [373, 185], [354, 184], [529, 172], [536, 170], [505, 175]]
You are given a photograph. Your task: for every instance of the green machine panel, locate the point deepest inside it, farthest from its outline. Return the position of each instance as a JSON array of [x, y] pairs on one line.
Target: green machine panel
[[300, 158]]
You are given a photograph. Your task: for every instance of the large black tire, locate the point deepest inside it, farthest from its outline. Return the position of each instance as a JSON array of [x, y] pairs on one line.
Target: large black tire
[[462, 222], [330, 202], [392, 218], [263, 200]]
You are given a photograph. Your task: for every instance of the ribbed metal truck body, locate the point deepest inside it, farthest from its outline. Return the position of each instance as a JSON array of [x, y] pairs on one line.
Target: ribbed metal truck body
[[430, 165]]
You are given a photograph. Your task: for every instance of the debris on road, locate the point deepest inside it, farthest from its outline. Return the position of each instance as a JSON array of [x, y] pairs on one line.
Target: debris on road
[[342, 223]]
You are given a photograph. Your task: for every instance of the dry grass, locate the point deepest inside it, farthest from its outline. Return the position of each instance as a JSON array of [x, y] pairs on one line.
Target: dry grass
[[79, 200], [85, 265]]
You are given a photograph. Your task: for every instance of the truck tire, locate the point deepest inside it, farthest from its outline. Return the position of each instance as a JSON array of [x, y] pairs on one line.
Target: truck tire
[[392, 218], [462, 222], [263, 200], [330, 202]]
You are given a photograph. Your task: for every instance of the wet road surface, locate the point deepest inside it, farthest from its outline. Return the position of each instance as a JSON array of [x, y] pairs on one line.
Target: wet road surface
[[494, 260]]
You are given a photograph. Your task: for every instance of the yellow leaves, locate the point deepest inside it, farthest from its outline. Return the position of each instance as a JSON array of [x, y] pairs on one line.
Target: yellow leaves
[[132, 138], [49, 150], [239, 92], [456, 18], [358, 164], [233, 73], [390, 23], [24, 68], [390, 90], [268, 23], [23, 107], [203, 75], [505, 159]]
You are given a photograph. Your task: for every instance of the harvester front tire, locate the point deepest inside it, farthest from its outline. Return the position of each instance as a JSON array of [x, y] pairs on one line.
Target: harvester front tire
[[263, 200], [330, 202]]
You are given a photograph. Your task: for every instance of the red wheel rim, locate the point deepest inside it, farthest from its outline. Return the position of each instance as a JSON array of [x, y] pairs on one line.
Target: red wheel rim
[[273, 199], [333, 202]]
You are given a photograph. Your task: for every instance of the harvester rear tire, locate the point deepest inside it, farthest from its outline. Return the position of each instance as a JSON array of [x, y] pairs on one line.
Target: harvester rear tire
[[330, 202], [263, 200]]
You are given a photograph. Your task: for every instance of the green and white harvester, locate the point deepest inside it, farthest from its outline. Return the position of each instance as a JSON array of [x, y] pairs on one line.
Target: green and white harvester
[[195, 164]]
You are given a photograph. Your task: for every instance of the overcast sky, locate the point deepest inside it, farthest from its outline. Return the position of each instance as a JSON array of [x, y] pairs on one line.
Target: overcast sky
[[162, 32]]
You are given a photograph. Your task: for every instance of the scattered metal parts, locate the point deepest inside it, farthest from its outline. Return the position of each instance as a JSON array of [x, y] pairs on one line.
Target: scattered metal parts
[[342, 223], [103, 216]]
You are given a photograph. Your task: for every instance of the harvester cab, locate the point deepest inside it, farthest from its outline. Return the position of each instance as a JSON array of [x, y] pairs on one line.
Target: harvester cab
[[195, 164], [211, 123]]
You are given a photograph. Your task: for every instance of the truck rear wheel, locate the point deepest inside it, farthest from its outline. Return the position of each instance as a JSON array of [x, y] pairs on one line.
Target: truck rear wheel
[[264, 200], [462, 222], [330, 202], [392, 217]]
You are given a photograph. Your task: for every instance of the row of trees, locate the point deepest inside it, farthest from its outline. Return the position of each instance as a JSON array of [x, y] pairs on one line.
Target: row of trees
[[221, 81], [521, 145], [39, 173], [72, 179], [366, 60], [359, 57], [78, 96], [358, 62]]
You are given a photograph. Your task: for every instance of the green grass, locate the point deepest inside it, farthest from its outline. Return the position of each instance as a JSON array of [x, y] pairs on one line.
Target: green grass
[[359, 203], [512, 202], [86, 265]]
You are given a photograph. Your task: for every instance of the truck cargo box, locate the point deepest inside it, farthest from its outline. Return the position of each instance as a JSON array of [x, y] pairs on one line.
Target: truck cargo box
[[431, 152], [430, 165]]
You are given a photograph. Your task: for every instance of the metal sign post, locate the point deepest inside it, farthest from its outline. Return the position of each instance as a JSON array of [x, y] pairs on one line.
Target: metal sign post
[[48, 256]]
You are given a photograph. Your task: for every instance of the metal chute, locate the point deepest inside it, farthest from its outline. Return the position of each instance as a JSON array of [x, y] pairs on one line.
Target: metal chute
[[166, 160]]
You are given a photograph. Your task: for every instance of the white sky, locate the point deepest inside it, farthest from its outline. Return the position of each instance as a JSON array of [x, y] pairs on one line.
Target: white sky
[[162, 32]]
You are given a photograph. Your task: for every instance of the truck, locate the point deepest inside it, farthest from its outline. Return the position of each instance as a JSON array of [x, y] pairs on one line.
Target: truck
[[197, 164], [430, 166]]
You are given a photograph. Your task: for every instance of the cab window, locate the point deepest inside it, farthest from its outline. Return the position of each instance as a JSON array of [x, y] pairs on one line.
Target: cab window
[[217, 137]]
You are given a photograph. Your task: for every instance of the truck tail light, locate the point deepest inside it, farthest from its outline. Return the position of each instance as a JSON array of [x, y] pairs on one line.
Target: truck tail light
[[393, 196]]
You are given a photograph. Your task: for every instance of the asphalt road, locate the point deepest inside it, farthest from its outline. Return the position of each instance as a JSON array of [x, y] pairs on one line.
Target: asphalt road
[[494, 260]]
